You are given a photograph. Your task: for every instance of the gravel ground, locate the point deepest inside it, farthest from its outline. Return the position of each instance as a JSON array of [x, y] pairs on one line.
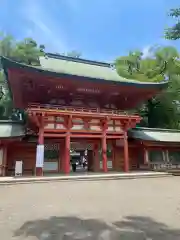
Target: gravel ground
[[136, 209]]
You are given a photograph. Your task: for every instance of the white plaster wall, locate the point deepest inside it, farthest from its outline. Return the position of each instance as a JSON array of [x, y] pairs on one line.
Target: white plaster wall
[[60, 126], [95, 128], [110, 128], [50, 126], [78, 120], [77, 127]]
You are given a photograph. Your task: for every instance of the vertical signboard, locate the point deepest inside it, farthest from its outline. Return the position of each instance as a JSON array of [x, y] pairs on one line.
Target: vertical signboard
[[18, 168], [40, 156]]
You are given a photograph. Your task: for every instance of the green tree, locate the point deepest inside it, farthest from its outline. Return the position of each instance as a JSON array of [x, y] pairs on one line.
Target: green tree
[[26, 51], [162, 110], [134, 66], [173, 33]]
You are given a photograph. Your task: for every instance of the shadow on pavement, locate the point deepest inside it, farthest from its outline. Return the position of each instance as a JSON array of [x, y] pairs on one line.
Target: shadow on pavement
[[68, 228], [147, 228]]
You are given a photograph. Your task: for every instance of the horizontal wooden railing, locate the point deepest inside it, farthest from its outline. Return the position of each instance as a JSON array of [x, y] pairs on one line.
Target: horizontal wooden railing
[[79, 109]]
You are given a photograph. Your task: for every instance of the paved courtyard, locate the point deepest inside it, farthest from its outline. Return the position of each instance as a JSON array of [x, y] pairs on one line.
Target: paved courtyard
[[136, 209]]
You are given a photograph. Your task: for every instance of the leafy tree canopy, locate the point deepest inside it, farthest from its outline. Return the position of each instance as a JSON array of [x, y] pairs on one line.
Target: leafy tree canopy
[[162, 64], [173, 33], [26, 51]]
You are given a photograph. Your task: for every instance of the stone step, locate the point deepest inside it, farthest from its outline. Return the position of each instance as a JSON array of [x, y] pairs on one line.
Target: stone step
[[83, 177]]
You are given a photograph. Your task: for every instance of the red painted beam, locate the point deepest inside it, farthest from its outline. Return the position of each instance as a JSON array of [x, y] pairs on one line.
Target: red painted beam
[[81, 131], [51, 135], [83, 114]]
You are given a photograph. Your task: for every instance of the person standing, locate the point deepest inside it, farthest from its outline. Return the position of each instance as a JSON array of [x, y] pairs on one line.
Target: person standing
[[73, 163], [84, 162]]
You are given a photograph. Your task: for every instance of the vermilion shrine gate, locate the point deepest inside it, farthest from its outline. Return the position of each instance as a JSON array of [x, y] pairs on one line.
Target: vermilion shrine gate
[[76, 100]]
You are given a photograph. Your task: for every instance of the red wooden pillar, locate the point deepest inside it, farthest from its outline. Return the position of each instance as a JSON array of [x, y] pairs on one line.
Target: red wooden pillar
[[145, 153], [96, 162], [104, 153], [66, 164], [104, 145], [61, 157], [5, 159], [39, 169], [113, 155], [66, 161], [126, 153]]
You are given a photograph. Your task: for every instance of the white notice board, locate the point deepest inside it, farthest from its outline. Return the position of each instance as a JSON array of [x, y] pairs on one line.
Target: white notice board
[[18, 168], [40, 156]]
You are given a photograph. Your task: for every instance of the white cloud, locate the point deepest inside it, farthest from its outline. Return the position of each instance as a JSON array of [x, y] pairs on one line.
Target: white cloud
[[147, 51], [41, 26]]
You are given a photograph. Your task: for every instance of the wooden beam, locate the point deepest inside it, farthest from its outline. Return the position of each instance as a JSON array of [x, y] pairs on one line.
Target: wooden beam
[[81, 131], [53, 135], [89, 136], [53, 112], [82, 123]]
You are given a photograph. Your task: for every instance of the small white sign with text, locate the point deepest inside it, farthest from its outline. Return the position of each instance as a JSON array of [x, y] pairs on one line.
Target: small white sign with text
[[18, 168]]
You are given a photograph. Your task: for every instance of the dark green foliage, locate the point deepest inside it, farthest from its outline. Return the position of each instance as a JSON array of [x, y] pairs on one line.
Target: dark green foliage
[[173, 33], [163, 111]]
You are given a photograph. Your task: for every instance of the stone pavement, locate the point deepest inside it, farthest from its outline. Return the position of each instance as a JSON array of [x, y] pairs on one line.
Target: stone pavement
[[131, 209], [83, 176]]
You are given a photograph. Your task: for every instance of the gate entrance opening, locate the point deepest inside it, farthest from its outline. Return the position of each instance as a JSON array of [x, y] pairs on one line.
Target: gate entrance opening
[[85, 156]]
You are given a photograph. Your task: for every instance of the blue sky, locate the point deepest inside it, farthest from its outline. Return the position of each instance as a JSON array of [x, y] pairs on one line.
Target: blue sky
[[99, 29]]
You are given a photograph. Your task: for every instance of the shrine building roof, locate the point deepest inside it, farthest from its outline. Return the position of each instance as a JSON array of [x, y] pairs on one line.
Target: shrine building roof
[[11, 129], [87, 69], [61, 76], [84, 68], [155, 134]]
